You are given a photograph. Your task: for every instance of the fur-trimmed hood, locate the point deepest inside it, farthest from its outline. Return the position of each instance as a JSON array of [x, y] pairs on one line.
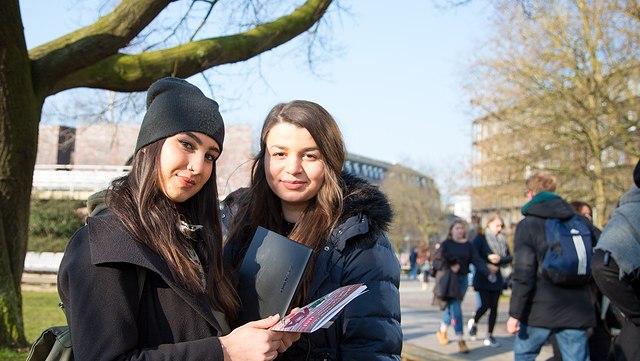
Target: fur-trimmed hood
[[362, 197]]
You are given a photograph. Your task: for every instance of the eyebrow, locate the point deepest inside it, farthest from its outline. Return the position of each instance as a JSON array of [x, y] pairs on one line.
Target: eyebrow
[[199, 141], [309, 149]]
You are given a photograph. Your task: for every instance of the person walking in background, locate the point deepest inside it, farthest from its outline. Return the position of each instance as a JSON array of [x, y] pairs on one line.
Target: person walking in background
[[413, 263], [491, 246], [583, 208], [538, 306], [455, 255], [298, 190], [600, 337], [474, 230], [144, 279], [431, 270], [421, 259], [425, 264], [616, 269], [474, 227]]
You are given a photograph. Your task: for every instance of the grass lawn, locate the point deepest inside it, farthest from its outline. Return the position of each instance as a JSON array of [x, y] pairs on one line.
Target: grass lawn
[[40, 311]]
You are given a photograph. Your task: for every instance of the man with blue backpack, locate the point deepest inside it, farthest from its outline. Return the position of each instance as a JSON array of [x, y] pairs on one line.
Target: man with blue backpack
[[550, 291]]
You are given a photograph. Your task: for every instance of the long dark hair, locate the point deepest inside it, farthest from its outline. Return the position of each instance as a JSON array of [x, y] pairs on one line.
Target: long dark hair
[[152, 218], [262, 207]]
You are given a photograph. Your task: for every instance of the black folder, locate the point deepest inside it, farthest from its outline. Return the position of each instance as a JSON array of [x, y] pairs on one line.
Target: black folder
[[269, 275]]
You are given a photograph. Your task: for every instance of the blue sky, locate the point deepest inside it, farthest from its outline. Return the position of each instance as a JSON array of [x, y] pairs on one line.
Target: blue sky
[[394, 85]]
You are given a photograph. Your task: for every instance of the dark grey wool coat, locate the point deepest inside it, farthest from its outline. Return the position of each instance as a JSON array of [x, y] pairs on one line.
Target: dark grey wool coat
[[98, 285], [358, 251]]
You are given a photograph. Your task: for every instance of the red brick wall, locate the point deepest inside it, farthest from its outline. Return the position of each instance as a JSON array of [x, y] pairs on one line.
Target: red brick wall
[[48, 144], [105, 144]]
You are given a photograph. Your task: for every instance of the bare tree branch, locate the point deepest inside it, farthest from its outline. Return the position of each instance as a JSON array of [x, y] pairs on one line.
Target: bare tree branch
[[129, 73], [84, 47]]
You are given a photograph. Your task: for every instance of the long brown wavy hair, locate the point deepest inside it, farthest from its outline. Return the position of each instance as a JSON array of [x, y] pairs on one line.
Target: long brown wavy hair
[[262, 207], [152, 218]]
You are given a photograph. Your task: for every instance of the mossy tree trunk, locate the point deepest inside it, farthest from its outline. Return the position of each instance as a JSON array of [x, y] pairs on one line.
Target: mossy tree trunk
[[19, 116]]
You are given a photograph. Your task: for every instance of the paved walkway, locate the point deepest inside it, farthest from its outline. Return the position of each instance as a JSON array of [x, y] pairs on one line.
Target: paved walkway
[[421, 320]]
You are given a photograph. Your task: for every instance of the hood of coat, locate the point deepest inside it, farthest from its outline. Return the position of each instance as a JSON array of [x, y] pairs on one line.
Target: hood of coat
[[364, 198], [548, 205], [621, 235], [632, 196]]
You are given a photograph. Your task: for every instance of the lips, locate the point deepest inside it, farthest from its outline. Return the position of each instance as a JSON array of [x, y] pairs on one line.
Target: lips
[[293, 184], [186, 181]]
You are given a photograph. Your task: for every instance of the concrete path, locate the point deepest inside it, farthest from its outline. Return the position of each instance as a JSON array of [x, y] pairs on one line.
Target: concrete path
[[421, 320]]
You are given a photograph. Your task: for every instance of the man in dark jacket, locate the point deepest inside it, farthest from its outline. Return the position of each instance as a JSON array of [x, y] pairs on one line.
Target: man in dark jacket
[[539, 307]]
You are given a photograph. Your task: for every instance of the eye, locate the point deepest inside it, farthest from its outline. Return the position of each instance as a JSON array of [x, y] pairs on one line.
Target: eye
[[185, 144], [311, 156], [278, 154], [210, 157]]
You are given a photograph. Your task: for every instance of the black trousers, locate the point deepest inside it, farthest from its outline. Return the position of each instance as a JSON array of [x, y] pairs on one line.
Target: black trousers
[[488, 301], [625, 294]]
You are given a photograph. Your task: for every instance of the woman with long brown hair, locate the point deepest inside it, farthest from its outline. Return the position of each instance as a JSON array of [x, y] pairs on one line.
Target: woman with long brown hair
[[298, 189], [455, 255]]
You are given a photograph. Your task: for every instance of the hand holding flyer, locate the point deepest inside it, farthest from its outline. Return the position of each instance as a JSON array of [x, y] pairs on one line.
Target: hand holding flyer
[[320, 312]]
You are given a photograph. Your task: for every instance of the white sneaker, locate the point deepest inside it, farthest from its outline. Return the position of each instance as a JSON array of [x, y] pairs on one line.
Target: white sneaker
[[490, 341], [473, 330]]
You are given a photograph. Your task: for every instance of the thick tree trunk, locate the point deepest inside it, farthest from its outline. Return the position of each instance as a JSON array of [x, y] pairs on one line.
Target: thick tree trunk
[[19, 117]]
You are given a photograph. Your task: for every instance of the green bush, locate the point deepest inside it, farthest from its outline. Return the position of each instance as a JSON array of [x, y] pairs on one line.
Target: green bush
[[52, 222]]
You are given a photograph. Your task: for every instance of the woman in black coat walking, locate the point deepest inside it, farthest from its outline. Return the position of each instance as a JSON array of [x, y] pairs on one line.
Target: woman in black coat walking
[[161, 222], [492, 247]]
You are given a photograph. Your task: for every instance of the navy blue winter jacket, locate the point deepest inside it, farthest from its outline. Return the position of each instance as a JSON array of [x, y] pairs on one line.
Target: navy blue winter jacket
[[368, 329]]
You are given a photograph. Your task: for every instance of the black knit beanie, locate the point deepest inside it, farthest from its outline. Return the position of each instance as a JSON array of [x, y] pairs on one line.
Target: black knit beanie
[[175, 106], [636, 175]]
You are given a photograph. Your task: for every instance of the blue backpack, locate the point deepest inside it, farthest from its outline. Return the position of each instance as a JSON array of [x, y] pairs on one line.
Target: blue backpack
[[567, 261]]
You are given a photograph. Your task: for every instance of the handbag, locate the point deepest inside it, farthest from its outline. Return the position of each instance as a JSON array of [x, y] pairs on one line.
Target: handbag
[[446, 288], [54, 343]]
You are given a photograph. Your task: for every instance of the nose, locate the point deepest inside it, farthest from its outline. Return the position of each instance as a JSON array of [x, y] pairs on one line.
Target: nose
[[294, 165], [195, 165]]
